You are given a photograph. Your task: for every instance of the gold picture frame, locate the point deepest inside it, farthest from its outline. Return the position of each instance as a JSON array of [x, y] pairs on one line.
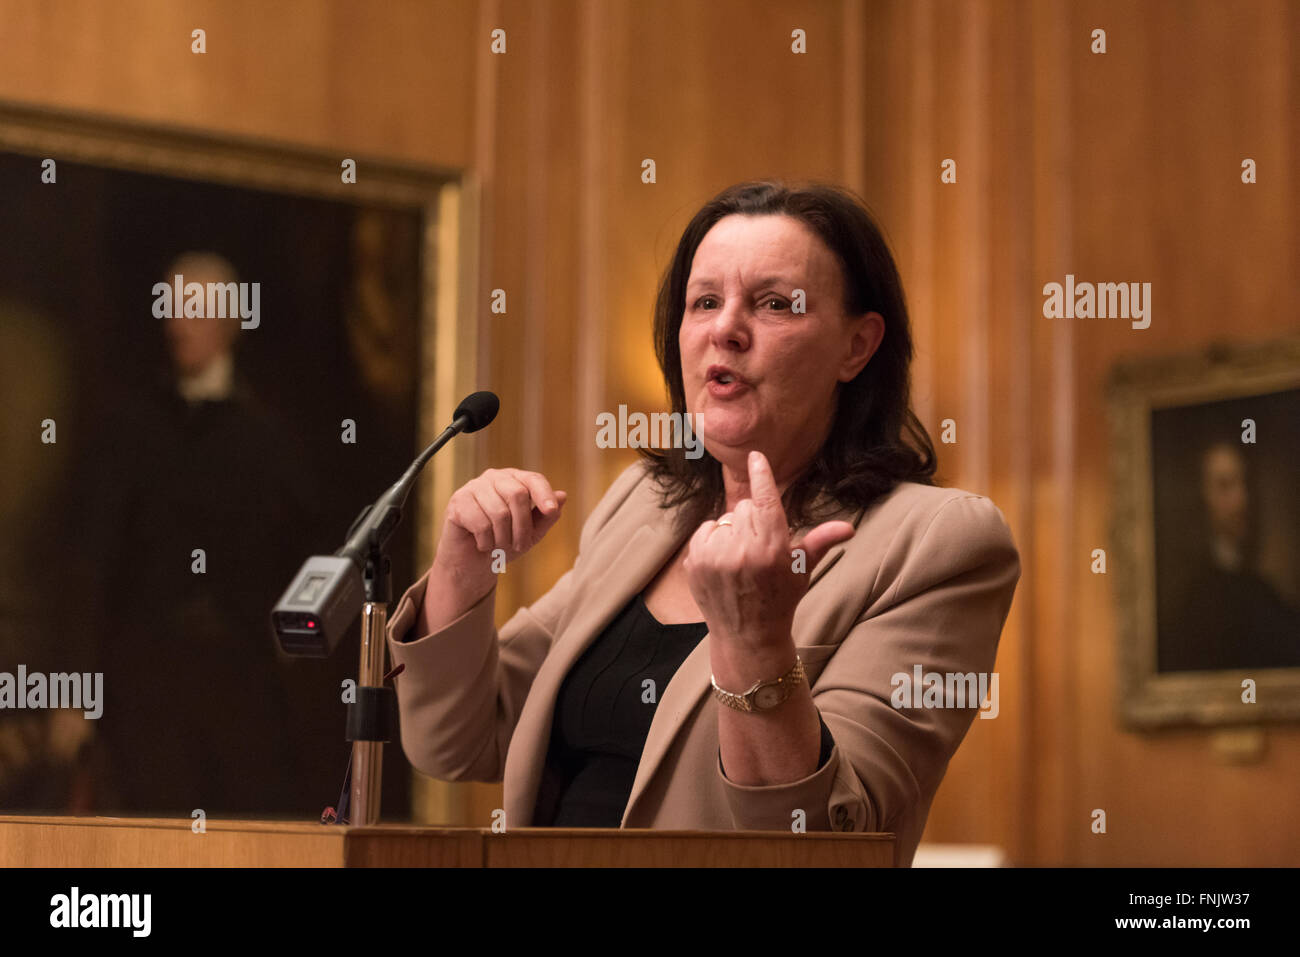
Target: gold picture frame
[[448, 201], [1148, 697]]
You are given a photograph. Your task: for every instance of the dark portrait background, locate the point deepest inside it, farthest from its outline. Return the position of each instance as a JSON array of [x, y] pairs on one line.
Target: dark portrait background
[[95, 549], [1209, 616]]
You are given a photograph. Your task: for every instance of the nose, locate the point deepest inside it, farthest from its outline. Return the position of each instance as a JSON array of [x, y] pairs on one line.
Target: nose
[[730, 325]]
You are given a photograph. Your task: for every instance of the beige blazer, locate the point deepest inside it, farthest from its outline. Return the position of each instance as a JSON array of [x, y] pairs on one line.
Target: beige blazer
[[927, 580]]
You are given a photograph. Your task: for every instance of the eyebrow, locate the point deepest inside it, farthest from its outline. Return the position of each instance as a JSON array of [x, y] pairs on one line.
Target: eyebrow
[[781, 282]]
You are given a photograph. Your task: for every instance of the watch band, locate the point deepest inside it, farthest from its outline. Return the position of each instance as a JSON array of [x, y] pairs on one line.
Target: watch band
[[747, 700]]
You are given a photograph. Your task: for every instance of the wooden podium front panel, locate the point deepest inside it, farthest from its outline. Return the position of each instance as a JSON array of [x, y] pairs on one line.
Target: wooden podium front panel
[[169, 842], [162, 842]]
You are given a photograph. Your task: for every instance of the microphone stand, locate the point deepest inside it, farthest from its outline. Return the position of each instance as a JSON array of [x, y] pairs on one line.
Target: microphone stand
[[371, 717], [368, 755]]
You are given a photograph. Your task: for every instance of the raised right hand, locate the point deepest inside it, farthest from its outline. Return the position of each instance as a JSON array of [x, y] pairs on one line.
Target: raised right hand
[[509, 509]]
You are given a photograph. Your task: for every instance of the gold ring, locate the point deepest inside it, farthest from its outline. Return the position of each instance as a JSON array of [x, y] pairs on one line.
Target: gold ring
[[724, 521]]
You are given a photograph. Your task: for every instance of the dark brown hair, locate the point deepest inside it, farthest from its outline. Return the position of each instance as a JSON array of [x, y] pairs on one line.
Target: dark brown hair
[[875, 440]]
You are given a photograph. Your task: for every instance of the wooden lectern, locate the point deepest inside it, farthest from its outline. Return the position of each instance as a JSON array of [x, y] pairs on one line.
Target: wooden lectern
[[162, 842]]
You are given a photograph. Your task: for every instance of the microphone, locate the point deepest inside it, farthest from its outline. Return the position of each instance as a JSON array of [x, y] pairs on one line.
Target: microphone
[[478, 410], [326, 595]]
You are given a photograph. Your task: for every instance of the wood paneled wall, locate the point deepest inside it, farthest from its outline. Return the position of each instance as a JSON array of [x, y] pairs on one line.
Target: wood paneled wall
[[1122, 166]]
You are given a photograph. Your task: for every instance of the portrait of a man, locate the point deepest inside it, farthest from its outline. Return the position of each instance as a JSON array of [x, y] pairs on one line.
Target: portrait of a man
[[1227, 535], [197, 447]]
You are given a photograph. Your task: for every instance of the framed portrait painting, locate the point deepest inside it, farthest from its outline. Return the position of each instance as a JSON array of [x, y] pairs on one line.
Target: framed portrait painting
[[172, 471], [1206, 536]]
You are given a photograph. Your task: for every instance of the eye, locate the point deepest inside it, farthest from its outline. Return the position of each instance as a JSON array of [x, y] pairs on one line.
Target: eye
[[780, 303], [703, 299]]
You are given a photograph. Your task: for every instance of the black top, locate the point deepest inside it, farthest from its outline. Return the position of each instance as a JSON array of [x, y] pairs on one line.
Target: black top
[[603, 714]]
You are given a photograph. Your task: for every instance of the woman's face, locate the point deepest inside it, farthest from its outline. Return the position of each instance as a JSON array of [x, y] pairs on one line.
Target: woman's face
[[785, 365]]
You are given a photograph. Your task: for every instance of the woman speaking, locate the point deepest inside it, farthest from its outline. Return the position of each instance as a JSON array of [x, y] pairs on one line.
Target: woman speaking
[[725, 651]]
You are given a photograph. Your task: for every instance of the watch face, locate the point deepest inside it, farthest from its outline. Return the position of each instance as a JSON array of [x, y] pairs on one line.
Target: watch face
[[768, 697]]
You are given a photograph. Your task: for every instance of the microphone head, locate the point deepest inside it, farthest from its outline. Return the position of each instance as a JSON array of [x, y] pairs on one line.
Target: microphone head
[[478, 410]]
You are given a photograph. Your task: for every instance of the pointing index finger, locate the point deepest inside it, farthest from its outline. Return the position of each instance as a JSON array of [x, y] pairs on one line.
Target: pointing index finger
[[762, 486]]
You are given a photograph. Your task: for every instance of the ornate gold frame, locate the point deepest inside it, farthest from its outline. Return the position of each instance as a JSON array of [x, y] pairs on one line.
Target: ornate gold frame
[[447, 198], [1147, 699]]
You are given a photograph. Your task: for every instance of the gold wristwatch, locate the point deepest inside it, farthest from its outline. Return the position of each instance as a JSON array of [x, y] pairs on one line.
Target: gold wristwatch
[[764, 695]]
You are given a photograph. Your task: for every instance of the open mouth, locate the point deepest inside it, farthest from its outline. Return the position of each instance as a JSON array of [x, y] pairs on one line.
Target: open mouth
[[723, 385], [722, 375]]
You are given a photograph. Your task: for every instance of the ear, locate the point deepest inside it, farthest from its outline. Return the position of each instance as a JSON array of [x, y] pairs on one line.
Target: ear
[[868, 331]]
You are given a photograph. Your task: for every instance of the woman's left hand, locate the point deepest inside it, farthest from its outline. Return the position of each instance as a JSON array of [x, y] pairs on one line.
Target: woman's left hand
[[742, 572]]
